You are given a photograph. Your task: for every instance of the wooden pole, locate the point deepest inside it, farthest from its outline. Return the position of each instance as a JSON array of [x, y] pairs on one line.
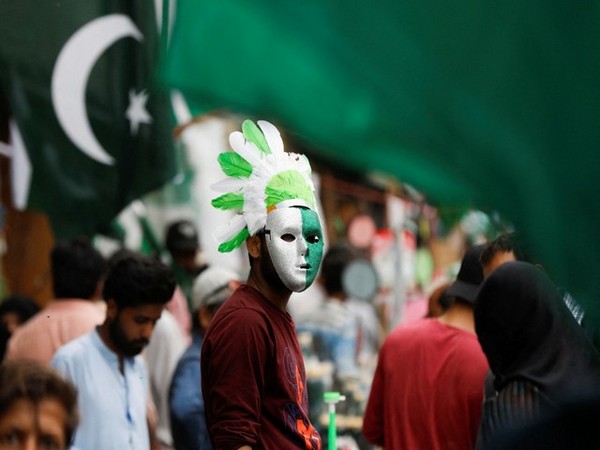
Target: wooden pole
[[29, 239]]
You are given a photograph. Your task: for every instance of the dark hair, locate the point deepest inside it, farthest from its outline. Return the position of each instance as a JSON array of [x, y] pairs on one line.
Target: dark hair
[[21, 305], [182, 237], [34, 381], [504, 243], [137, 280], [77, 268], [24, 306], [445, 300], [120, 254], [335, 261], [439, 301]]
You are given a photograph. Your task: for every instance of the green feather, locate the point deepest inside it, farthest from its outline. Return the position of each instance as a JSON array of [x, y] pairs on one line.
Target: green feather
[[228, 201], [253, 134], [288, 185], [234, 165], [235, 242]]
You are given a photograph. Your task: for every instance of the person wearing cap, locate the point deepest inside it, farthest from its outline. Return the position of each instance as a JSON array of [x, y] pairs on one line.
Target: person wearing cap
[[253, 374], [183, 244], [188, 424], [427, 389]]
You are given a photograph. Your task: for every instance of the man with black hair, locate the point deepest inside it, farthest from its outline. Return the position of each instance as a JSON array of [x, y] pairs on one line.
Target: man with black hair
[[105, 364], [77, 274]]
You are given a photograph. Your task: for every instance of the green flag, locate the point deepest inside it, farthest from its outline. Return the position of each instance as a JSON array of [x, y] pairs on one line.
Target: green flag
[[484, 104], [96, 133]]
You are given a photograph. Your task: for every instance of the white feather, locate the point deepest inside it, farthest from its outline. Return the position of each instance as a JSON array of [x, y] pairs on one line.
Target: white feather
[[230, 230], [251, 154], [255, 210], [229, 185], [264, 167], [236, 140], [272, 136], [245, 149]]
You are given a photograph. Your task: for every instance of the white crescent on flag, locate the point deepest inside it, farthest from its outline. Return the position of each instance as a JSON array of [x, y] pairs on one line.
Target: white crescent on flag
[[70, 76]]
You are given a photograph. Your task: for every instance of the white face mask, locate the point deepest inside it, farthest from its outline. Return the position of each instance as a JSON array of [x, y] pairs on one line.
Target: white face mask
[[295, 242]]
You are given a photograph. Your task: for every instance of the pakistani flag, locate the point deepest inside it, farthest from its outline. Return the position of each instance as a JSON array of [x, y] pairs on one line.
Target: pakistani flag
[[90, 132], [484, 104]]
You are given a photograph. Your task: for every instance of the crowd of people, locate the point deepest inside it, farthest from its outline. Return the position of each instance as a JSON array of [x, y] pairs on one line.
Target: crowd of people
[[134, 353]]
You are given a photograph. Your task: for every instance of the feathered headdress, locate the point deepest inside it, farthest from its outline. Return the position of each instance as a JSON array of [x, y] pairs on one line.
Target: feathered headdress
[[262, 177]]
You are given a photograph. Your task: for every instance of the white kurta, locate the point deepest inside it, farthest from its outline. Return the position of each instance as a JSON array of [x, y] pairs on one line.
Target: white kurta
[[112, 406]]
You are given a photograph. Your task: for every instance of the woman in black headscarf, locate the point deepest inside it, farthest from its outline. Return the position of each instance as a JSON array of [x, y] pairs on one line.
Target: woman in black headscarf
[[540, 357]]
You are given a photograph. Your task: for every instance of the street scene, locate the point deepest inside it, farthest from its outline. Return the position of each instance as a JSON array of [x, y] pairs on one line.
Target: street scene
[[317, 226]]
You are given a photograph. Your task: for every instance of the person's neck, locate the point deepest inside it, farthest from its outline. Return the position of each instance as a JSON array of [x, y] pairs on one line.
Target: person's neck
[[70, 299], [339, 297], [459, 315], [105, 336], [278, 297]]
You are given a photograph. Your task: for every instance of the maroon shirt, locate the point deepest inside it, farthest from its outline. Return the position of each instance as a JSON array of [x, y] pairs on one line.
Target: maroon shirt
[[253, 378]]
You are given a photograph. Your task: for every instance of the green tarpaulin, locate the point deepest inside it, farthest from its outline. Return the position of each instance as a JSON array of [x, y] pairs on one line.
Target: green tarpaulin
[[485, 104]]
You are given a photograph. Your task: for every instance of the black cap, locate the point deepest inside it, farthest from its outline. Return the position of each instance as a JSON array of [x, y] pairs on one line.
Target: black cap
[[470, 276], [182, 237]]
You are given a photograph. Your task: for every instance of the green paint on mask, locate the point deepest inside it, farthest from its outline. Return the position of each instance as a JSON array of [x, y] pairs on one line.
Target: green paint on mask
[[313, 235]]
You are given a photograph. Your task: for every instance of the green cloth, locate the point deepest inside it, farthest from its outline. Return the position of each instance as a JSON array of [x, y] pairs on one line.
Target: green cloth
[[482, 104]]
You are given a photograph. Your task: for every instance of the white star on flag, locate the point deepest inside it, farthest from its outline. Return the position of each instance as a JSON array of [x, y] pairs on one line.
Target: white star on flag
[[136, 112]]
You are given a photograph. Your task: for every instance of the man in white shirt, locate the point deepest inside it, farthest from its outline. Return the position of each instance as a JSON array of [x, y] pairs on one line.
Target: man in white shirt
[[105, 364]]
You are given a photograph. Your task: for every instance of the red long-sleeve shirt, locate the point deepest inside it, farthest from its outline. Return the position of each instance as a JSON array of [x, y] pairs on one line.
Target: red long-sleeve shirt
[[253, 378]]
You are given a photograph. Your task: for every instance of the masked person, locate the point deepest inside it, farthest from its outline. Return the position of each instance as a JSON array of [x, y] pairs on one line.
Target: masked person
[[253, 376]]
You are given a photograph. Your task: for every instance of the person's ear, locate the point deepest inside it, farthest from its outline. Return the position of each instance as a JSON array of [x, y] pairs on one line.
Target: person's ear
[[253, 245], [204, 317], [111, 309]]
